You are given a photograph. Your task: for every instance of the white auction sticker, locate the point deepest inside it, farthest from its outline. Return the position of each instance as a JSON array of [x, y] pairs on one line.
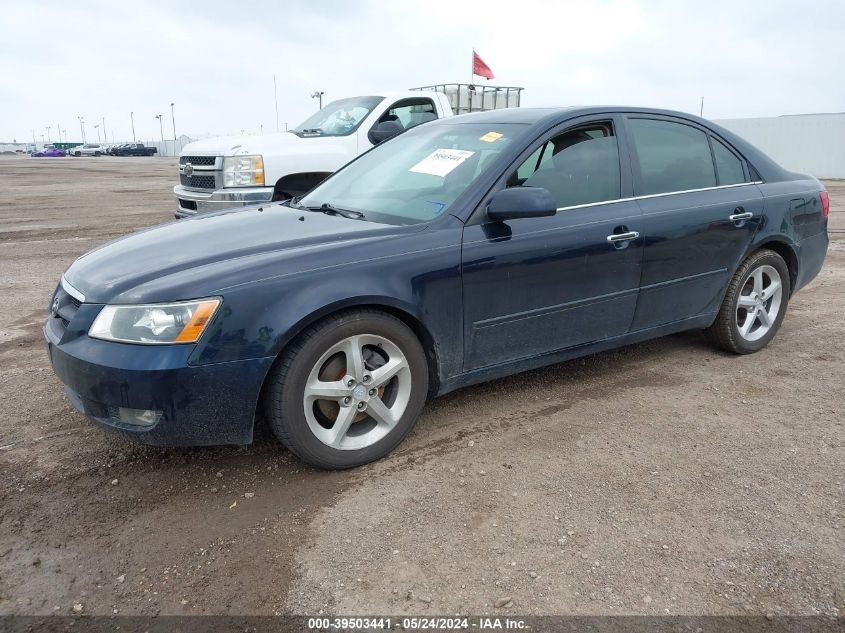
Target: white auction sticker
[[441, 161]]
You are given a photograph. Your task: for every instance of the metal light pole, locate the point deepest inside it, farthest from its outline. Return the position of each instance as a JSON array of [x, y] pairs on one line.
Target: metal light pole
[[82, 127], [132, 117], [47, 127], [318, 95], [276, 99], [161, 129], [97, 127], [105, 136], [173, 119]]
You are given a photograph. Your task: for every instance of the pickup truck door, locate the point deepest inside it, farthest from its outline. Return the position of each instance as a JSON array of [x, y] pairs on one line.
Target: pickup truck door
[[406, 112]]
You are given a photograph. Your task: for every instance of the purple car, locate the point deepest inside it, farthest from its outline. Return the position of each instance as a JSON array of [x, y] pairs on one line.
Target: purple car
[[52, 151]]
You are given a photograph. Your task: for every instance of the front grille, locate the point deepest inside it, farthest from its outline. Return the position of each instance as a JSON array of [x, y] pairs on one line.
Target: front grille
[[203, 161], [197, 181], [67, 305], [65, 309]]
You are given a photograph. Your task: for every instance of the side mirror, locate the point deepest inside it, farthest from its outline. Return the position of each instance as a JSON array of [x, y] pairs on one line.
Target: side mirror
[[521, 202], [383, 131]]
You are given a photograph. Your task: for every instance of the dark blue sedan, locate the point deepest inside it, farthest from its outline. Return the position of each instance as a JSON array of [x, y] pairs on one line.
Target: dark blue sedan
[[460, 251]]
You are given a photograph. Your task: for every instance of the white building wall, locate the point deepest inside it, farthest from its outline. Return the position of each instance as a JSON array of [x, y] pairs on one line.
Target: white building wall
[[807, 143]]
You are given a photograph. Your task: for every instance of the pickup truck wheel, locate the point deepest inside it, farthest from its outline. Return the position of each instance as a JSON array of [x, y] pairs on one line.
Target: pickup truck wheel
[[348, 390], [754, 305]]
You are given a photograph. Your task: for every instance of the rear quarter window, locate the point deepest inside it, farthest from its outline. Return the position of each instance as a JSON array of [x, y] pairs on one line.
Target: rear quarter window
[[728, 165]]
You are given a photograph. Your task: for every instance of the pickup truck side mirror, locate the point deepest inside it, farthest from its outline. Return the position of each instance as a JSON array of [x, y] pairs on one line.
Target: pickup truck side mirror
[[521, 202], [380, 132]]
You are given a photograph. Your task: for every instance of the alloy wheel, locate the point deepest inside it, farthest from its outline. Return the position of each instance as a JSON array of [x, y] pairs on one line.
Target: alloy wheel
[[357, 392], [759, 302]]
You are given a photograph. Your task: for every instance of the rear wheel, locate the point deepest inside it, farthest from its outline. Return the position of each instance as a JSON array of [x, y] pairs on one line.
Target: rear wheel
[[754, 305], [348, 390]]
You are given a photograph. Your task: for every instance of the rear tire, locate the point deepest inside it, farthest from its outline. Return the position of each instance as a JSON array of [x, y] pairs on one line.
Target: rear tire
[[754, 305], [348, 390]]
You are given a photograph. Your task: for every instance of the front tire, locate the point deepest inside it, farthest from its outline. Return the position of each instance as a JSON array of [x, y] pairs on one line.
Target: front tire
[[754, 305], [348, 390]]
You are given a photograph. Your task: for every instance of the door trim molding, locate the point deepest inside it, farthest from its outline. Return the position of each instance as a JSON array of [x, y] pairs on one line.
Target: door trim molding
[[553, 309], [660, 195]]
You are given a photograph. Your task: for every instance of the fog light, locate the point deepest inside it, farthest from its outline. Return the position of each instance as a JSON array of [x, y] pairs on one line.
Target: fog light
[[138, 417]]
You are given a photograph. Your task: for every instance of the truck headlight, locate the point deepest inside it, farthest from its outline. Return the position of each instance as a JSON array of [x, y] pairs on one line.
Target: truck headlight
[[181, 322], [243, 171]]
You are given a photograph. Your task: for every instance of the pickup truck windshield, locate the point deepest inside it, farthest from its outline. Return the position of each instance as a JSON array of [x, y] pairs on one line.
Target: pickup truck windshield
[[416, 176], [339, 118]]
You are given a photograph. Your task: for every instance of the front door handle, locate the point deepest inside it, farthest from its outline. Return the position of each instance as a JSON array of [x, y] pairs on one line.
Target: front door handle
[[622, 237]]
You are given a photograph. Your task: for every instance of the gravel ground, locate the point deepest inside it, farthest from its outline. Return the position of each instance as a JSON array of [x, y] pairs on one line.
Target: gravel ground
[[664, 477]]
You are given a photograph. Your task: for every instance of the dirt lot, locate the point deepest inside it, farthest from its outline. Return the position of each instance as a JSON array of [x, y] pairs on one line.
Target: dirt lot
[[660, 478]]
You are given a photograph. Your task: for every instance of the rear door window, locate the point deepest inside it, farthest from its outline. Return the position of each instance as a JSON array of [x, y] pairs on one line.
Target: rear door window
[[672, 156]]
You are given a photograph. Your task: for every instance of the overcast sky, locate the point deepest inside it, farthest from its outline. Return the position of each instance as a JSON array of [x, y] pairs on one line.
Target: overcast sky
[[63, 59]]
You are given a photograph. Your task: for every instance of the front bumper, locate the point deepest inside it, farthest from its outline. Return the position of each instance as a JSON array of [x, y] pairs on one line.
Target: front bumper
[[199, 404], [190, 202]]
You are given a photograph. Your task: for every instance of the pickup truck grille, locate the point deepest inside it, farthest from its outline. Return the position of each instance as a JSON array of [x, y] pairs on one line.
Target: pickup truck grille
[[197, 181], [200, 172], [203, 161]]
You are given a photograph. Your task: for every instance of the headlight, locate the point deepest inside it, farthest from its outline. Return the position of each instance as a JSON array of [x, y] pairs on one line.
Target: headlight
[[243, 171], [181, 322]]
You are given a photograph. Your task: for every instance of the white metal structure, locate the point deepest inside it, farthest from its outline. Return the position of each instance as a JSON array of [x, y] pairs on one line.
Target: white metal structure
[[806, 143]]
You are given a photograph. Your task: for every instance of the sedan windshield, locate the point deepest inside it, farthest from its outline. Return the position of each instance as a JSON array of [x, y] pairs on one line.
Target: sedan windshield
[[416, 176], [338, 118]]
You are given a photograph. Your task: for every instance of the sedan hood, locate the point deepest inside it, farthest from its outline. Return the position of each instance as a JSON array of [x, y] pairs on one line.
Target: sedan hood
[[202, 256]]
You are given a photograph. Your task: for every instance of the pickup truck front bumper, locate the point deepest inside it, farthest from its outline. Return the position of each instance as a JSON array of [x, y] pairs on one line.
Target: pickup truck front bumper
[[190, 202]]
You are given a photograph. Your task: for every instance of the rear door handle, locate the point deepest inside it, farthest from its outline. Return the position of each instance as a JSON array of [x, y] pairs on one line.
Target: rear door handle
[[742, 215], [622, 237]]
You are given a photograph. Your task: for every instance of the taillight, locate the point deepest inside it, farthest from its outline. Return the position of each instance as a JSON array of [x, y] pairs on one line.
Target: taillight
[[825, 200]]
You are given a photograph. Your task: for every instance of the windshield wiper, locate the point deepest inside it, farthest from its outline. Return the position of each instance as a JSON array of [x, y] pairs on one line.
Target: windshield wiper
[[330, 209]]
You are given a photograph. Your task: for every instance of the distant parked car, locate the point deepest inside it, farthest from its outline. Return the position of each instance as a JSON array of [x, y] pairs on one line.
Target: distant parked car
[[49, 152], [89, 149], [135, 149]]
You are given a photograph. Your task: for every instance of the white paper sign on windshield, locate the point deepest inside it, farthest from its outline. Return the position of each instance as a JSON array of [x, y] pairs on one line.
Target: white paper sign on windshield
[[441, 161]]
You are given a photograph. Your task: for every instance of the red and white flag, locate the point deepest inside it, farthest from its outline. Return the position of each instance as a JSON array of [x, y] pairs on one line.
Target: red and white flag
[[479, 67]]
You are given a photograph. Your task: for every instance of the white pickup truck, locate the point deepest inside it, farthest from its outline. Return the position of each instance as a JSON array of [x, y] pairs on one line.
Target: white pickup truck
[[231, 171]]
